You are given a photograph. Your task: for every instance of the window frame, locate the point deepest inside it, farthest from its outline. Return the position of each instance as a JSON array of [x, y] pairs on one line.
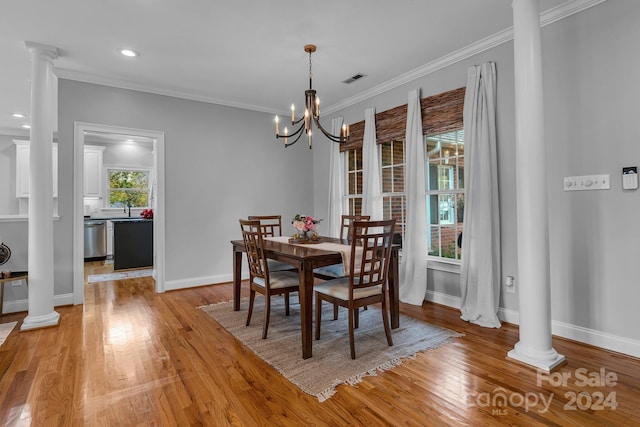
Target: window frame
[[457, 191], [350, 199], [107, 173], [393, 166]]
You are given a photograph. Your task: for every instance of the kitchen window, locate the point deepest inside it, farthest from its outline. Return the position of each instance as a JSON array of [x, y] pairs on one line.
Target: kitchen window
[[128, 187]]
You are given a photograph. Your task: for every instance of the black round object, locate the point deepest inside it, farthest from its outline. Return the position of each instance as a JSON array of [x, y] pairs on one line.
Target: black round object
[[5, 253]]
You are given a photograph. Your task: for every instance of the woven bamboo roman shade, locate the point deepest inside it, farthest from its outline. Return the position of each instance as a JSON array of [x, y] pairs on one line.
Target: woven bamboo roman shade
[[440, 113]]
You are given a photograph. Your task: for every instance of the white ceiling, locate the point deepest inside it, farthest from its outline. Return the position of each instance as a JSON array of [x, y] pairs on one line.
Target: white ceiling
[[244, 53]]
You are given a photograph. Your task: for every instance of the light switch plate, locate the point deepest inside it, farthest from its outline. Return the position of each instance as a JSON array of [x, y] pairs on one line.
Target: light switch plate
[[586, 182]]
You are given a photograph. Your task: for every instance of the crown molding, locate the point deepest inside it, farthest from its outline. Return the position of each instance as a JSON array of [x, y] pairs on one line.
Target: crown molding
[[123, 84], [546, 18], [14, 132]]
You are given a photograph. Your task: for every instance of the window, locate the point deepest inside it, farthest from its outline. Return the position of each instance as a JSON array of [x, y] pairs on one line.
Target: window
[[392, 165], [354, 181], [442, 125], [128, 187], [444, 158]]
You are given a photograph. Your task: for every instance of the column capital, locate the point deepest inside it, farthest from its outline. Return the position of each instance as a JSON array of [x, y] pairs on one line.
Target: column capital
[[42, 49]]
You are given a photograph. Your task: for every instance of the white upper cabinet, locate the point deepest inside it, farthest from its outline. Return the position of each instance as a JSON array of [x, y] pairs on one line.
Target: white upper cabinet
[[22, 169], [93, 171]]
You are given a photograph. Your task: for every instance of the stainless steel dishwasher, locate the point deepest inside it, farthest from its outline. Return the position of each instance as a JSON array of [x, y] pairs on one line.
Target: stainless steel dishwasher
[[95, 239]]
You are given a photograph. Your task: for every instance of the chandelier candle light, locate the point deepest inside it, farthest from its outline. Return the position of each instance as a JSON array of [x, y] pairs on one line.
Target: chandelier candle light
[[311, 115]]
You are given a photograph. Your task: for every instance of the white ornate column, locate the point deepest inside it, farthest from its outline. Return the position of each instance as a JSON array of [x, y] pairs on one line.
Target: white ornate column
[[535, 346], [41, 312]]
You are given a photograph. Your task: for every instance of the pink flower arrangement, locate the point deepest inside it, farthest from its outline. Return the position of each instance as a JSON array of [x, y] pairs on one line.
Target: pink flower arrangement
[[304, 223]]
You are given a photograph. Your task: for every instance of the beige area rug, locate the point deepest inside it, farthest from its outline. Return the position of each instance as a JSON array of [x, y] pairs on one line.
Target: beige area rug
[[331, 364], [5, 330], [94, 278]]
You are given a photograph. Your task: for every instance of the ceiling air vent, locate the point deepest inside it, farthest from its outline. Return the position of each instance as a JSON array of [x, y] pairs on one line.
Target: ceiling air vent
[[354, 78]]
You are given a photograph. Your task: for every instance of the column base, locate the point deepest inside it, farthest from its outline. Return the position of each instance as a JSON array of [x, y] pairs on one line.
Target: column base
[[545, 360], [37, 322]]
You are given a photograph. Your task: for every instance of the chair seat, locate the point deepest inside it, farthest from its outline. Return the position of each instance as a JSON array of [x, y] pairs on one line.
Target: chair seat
[[278, 266], [280, 279], [339, 288], [335, 270]]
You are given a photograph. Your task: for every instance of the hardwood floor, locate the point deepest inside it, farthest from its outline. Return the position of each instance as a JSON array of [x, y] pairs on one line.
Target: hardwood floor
[[131, 357]]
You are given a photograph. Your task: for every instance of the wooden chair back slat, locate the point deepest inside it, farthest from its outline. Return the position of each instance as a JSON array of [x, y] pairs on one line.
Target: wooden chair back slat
[[252, 232], [375, 238], [347, 222], [271, 224]]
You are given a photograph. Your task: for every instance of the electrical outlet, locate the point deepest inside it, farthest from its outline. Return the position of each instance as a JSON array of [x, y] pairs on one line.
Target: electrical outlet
[[510, 284]]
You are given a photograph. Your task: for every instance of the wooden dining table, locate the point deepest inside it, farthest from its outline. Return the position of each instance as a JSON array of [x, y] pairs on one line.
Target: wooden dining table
[[305, 258]]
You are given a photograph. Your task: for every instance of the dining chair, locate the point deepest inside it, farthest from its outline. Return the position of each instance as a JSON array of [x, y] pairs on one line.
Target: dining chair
[[261, 279], [366, 283], [271, 227], [271, 224], [337, 270]]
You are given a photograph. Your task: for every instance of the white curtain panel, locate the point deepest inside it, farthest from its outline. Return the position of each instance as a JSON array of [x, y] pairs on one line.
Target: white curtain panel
[[480, 271], [371, 190], [413, 269], [336, 183]]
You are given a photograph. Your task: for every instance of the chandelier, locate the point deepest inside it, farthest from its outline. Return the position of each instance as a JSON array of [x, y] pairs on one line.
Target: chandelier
[[311, 115]]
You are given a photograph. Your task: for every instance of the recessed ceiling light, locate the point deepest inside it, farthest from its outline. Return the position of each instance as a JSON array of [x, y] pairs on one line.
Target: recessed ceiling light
[[18, 115], [26, 126], [128, 52]]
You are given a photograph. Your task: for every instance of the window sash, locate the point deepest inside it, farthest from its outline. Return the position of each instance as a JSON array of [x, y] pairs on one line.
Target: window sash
[[441, 114], [444, 193], [137, 196]]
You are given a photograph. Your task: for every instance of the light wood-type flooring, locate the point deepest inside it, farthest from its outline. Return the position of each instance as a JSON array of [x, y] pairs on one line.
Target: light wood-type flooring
[[131, 357]]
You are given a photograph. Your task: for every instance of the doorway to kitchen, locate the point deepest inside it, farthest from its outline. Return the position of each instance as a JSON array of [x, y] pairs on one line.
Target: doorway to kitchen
[[88, 135]]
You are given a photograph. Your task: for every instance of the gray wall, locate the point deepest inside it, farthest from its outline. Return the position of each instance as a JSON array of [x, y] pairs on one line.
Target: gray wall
[[591, 127], [222, 164]]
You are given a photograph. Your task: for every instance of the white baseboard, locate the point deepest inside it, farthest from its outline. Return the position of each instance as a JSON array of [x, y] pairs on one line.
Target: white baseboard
[[23, 304], [509, 316], [565, 330], [580, 334], [172, 285], [444, 299], [596, 338]]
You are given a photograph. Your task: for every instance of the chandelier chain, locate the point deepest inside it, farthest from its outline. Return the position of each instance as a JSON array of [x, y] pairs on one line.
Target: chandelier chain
[[311, 115]]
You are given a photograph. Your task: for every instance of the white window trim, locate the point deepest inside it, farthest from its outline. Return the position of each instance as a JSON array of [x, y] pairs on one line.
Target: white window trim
[[444, 264], [107, 189], [346, 197]]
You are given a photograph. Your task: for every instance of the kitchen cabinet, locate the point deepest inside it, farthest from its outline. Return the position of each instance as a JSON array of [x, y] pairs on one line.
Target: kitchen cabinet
[[93, 171], [23, 166], [132, 243]]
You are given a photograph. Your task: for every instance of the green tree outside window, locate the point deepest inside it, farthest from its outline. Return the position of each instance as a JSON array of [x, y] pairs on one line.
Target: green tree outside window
[[128, 187]]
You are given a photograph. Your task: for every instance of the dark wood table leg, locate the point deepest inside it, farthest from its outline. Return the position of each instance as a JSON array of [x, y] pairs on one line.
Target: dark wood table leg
[[394, 284], [237, 277], [306, 308]]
